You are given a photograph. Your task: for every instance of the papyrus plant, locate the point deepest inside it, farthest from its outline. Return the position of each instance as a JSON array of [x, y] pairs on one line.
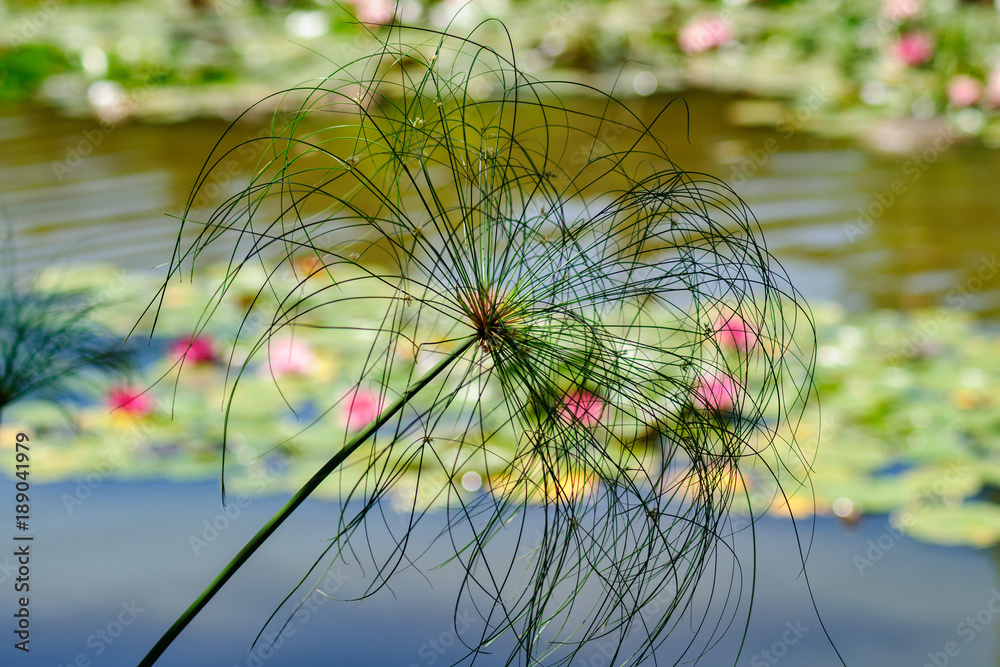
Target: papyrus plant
[[53, 347], [542, 291]]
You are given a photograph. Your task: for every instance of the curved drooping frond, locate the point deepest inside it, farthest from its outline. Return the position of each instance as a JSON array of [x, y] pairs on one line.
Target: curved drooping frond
[[545, 298]]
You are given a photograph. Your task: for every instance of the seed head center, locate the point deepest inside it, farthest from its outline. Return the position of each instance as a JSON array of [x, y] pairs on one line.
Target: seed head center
[[492, 316]]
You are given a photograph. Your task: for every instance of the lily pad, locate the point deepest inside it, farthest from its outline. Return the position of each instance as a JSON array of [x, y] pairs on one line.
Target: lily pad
[[975, 524]]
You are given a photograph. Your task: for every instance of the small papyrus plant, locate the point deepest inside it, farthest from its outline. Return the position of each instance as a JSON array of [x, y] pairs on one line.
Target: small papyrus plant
[[53, 348], [542, 292]]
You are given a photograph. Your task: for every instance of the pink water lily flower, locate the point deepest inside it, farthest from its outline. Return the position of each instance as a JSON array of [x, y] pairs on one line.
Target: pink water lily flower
[[130, 401], [288, 356], [993, 88], [704, 34], [914, 48], [901, 10], [375, 11], [582, 406], [197, 350], [715, 392], [734, 332], [361, 407], [964, 91]]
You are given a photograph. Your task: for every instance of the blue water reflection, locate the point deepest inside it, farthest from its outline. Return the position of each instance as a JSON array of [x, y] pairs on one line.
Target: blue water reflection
[[109, 576]]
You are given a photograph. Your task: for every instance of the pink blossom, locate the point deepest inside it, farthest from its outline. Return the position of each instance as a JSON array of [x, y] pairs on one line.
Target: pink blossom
[[704, 34], [734, 332], [901, 10], [361, 407], [715, 392], [991, 91], [993, 88], [375, 11], [287, 356], [582, 406], [130, 401], [964, 91], [914, 48], [195, 350]]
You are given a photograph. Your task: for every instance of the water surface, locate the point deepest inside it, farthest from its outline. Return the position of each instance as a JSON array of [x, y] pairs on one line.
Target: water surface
[[128, 547], [863, 229]]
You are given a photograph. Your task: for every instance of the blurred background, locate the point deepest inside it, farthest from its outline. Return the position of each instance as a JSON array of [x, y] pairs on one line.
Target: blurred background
[[863, 135]]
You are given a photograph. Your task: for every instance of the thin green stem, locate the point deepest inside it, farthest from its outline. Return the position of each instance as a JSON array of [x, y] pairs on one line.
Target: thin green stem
[[265, 532]]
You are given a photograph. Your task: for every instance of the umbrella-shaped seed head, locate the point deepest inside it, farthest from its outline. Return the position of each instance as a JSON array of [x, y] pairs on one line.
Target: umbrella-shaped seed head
[[492, 315], [535, 280]]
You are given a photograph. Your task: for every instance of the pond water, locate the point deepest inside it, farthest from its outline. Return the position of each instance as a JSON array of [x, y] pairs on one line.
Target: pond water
[[866, 230], [112, 575]]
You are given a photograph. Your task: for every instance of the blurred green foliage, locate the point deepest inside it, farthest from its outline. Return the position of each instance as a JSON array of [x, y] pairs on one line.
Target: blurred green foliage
[[850, 63], [24, 69]]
